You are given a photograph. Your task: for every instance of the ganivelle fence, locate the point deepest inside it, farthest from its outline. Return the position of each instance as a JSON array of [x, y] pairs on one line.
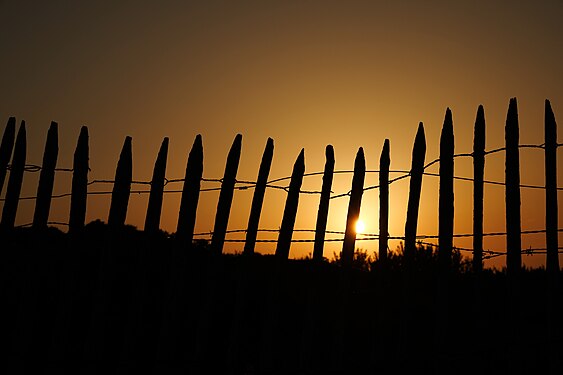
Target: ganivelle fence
[[108, 297]]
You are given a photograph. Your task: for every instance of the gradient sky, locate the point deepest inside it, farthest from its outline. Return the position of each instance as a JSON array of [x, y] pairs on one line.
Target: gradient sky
[[307, 74]]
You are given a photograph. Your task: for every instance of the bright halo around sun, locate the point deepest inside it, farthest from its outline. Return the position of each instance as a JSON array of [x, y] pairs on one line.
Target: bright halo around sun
[[360, 226]]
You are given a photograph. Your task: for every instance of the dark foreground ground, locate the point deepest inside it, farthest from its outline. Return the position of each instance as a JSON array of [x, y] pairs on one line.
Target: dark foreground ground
[[122, 302]]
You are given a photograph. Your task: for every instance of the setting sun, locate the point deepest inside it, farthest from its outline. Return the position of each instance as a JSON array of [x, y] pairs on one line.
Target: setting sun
[[360, 226]]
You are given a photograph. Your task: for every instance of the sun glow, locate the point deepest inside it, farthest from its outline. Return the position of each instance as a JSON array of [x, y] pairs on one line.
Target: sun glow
[[360, 226]]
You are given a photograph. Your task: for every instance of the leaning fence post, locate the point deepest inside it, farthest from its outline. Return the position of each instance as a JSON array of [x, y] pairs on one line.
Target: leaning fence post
[[154, 209], [356, 193], [415, 187], [446, 195], [121, 186], [322, 214], [15, 181], [552, 261], [258, 197], [478, 185], [513, 229], [6, 148], [384, 163], [79, 193], [290, 210], [46, 178], [226, 196], [190, 193]]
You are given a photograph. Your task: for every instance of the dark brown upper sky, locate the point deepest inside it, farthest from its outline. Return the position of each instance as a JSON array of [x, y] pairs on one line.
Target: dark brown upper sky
[[306, 73]]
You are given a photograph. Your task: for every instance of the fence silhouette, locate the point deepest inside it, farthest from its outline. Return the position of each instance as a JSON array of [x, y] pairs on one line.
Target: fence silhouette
[[192, 187], [213, 294]]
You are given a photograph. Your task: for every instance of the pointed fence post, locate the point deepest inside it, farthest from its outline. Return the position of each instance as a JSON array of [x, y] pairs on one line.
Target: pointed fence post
[[6, 148], [190, 193], [552, 244], [552, 261], [290, 210], [446, 195], [357, 191], [513, 222], [258, 197], [122, 186], [384, 163], [445, 240], [46, 178], [154, 209], [15, 181], [513, 239], [478, 188], [415, 187], [322, 214], [79, 193], [226, 197]]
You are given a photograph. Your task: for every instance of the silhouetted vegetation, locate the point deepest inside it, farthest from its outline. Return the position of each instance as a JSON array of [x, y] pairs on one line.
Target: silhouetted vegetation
[[106, 298]]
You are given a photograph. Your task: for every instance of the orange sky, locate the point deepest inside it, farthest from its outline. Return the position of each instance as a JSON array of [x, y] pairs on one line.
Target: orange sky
[[307, 74]]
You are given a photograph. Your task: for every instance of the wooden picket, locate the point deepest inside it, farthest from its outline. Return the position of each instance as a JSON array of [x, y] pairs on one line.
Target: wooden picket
[[226, 197], [384, 163], [190, 193], [290, 210], [154, 209], [324, 201], [258, 198], [15, 181], [356, 193], [79, 195], [417, 169], [122, 186], [6, 148], [512, 172], [478, 188], [46, 179]]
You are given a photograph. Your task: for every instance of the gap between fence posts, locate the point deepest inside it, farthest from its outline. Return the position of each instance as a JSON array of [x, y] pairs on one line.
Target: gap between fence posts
[[79, 194], [226, 196], [190, 194], [121, 186], [154, 208], [46, 178], [15, 181], [478, 188], [258, 197], [6, 148], [384, 164]]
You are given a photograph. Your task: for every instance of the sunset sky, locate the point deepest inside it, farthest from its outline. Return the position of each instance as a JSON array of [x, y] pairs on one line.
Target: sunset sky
[[305, 73]]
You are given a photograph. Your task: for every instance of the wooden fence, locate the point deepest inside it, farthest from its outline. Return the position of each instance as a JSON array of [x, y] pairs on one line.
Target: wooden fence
[[184, 237], [193, 177]]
